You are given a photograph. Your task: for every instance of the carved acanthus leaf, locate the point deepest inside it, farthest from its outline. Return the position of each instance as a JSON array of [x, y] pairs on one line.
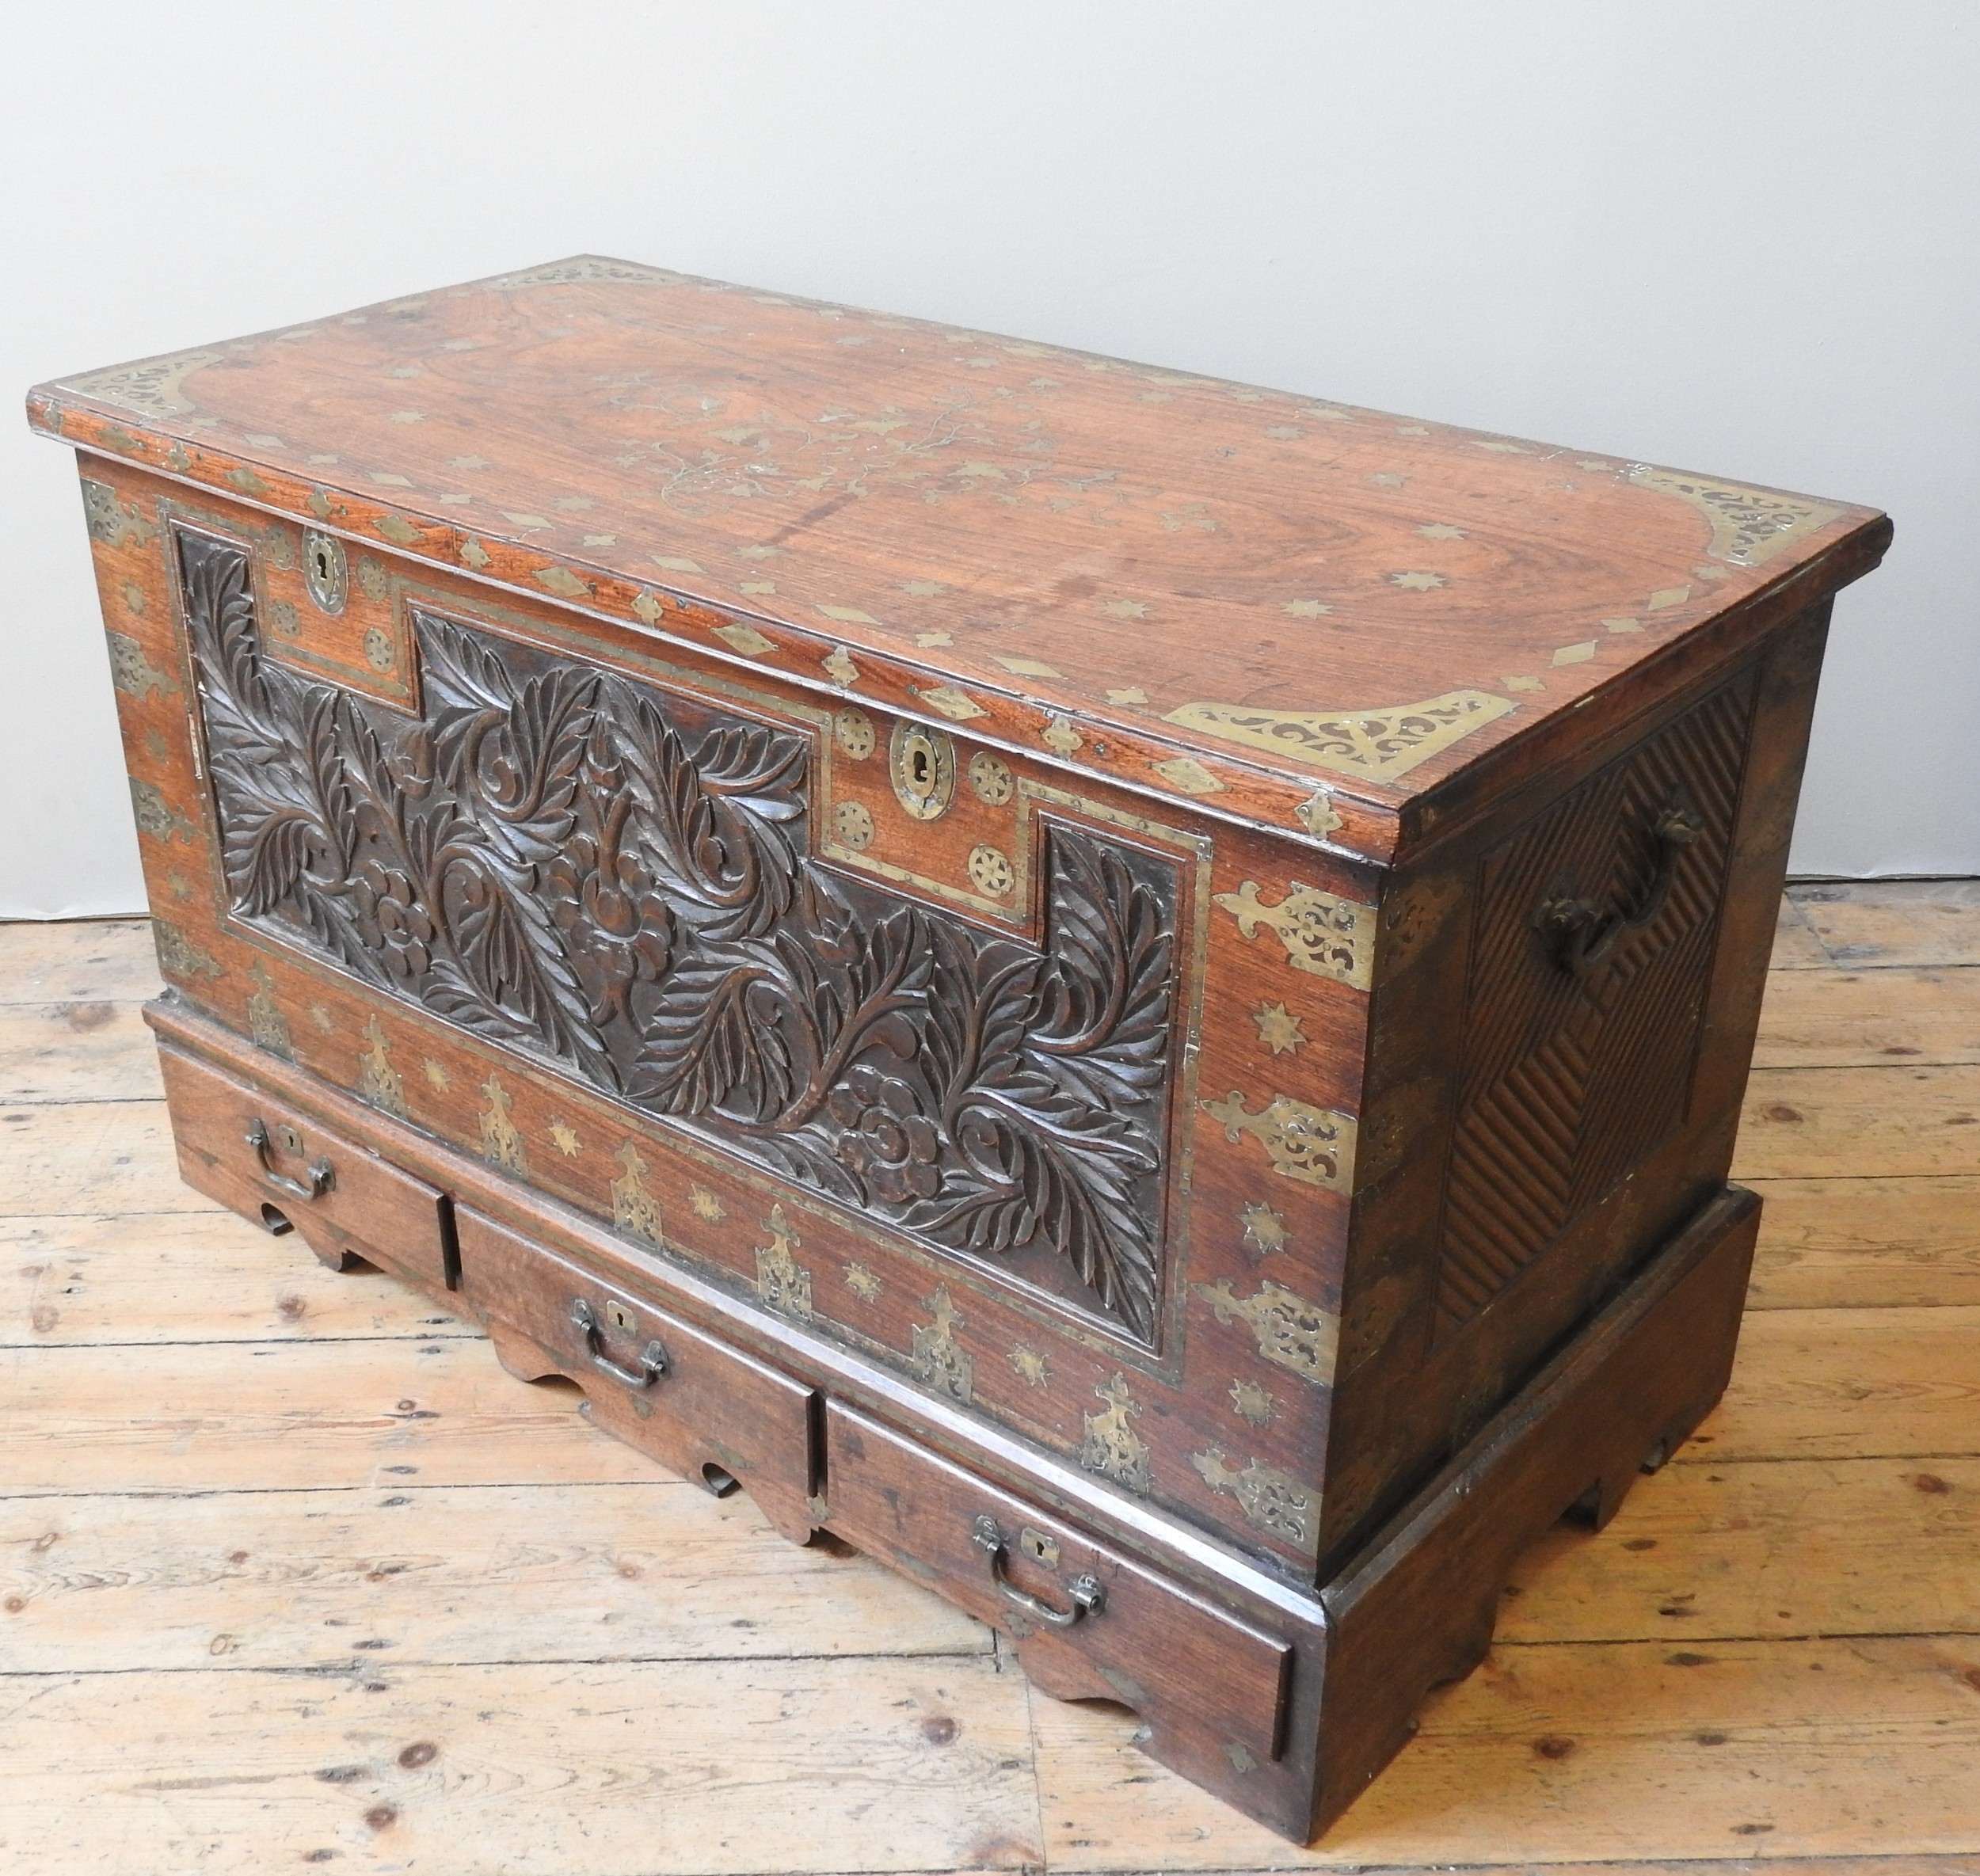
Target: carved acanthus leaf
[[565, 862]]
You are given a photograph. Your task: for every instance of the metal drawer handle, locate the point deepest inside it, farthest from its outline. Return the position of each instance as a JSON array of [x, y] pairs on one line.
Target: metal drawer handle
[[653, 1358], [1089, 1595], [321, 1173], [1581, 934]]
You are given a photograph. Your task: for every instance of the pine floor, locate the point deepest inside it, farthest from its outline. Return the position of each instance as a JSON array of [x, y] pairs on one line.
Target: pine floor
[[291, 1573]]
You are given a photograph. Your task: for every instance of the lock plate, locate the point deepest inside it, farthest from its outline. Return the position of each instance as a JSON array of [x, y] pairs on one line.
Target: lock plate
[[923, 762], [325, 572]]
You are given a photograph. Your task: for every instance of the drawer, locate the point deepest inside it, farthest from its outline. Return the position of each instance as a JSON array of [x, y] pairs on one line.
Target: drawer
[[1089, 1622], [286, 1170], [701, 1409]]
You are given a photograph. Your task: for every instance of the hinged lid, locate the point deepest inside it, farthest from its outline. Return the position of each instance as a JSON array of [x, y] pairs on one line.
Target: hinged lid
[[1264, 604]]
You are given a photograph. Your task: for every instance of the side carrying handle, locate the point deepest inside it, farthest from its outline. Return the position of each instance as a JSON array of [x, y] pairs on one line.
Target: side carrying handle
[[653, 1358], [1089, 1597], [1580, 934], [321, 1174]]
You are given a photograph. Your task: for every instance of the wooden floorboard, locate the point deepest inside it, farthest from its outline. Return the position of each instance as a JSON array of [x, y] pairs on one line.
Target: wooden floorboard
[[291, 1573]]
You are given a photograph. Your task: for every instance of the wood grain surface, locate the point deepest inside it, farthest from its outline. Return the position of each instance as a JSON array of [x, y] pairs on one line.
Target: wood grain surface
[[838, 495], [288, 1566]]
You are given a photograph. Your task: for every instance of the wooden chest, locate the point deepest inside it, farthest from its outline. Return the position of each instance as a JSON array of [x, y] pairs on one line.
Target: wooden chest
[[1128, 991]]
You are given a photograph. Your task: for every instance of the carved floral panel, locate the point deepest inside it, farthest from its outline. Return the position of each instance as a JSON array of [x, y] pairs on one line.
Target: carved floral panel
[[573, 865]]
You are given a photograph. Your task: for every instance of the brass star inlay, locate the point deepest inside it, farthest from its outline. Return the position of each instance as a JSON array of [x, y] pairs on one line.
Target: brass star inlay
[[1133, 694], [1416, 582], [1441, 530], [1032, 1366], [1278, 1029], [1307, 608], [704, 1204], [438, 1076], [1264, 1230], [567, 1142], [1252, 1403], [1125, 609]]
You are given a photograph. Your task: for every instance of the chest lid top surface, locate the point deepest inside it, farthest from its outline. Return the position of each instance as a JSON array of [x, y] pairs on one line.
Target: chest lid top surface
[[1260, 603]]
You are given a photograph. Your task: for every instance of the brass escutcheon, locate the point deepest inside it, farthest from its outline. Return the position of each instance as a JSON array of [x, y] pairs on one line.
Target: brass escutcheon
[[325, 571], [923, 759]]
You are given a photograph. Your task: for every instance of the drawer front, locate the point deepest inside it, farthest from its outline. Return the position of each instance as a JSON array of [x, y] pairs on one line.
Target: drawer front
[[701, 1408], [1212, 1686], [285, 1170]]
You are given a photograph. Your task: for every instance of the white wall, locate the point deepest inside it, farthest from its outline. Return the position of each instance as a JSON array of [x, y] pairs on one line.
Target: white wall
[[1737, 238]]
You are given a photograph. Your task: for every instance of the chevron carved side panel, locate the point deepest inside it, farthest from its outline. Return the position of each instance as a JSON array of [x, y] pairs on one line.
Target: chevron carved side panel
[[1568, 1082]]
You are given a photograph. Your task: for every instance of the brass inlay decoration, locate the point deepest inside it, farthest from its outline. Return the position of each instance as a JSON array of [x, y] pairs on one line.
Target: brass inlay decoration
[[108, 520], [1059, 734], [852, 824], [745, 639], [852, 730], [157, 816], [862, 1283], [266, 1023], [132, 673], [938, 1361], [841, 668], [587, 266], [564, 1137], [1264, 1231], [378, 650], [1378, 745], [178, 956], [923, 762], [1317, 814], [501, 1144], [371, 581], [958, 705], [704, 1205], [1329, 936], [1748, 526], [1188, 776], [990, 777], [782, 1281], [377, 1081], [1271, 1502], [1278, 1029], [1253, 1402], [152, 388], [635, 1211], [1033, 1368], [436, 1075], [1315, 1145], [1113, 1449], [993, 871], [326, 573], [1295, 1334]]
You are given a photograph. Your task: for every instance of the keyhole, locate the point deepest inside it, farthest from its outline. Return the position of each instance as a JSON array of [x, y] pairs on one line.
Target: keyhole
[[919, 765], [322, 566]]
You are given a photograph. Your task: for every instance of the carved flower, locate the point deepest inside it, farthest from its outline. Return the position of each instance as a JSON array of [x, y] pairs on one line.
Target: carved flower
[[889, 1142], [611, 919], [384, 899]]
